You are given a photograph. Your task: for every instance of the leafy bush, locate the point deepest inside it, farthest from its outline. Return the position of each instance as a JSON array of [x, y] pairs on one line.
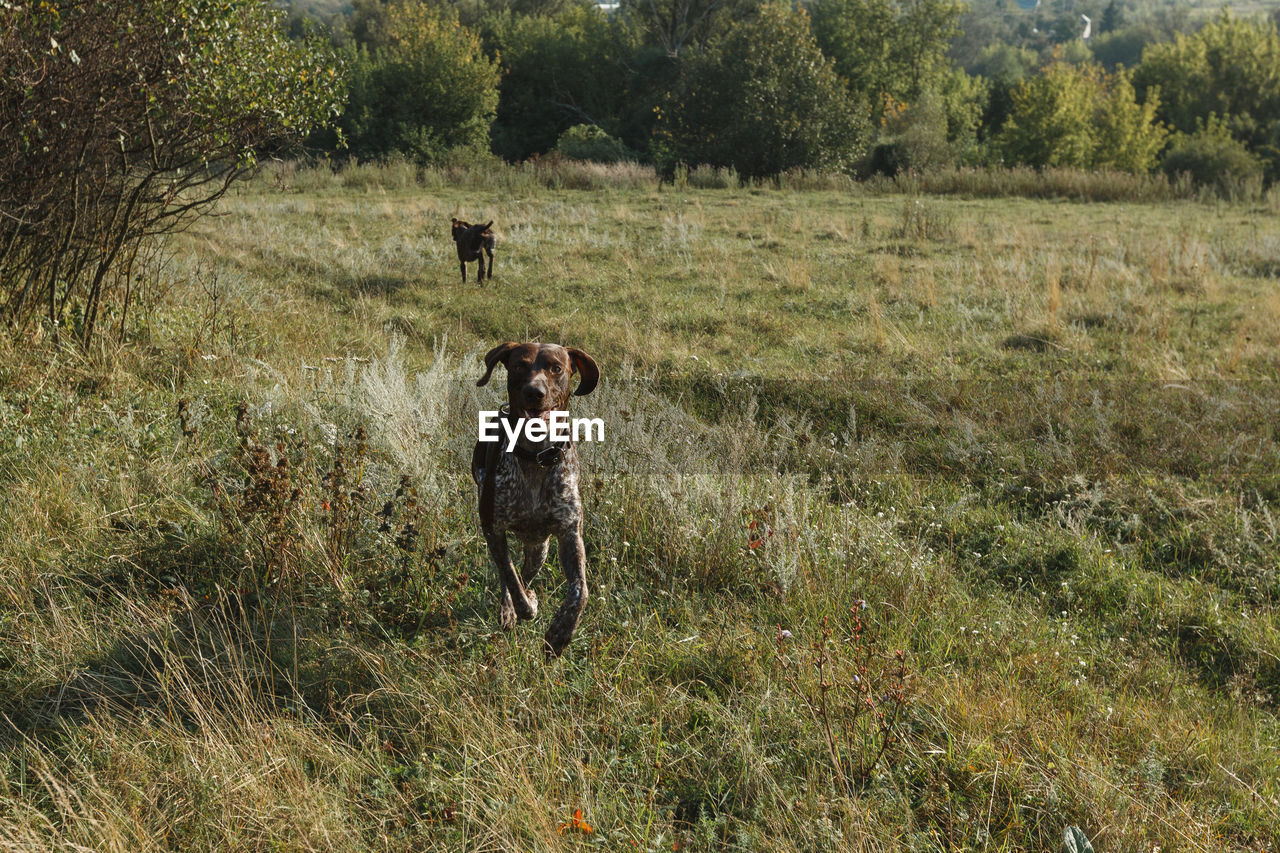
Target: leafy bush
[[1214, 159], [123, 119], [915, 137], [589, 142]]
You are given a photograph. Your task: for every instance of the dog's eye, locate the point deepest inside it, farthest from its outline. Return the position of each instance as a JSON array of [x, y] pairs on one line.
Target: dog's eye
[[555, 368]]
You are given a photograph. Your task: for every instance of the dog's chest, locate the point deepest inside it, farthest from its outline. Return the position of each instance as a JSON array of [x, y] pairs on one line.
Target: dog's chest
[[533, 501]]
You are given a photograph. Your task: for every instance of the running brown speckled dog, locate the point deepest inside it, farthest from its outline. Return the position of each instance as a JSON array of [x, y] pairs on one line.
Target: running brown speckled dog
[[532, 491], [471, 240]]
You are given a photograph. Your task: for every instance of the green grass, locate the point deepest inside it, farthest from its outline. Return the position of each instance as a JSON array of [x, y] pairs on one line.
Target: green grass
[[1037, 438]]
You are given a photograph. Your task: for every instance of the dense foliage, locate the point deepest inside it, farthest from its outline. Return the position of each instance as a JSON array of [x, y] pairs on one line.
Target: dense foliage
[[559, 71], [589, 142], [762, 99], [426, 90], [886, 47], [858, 86], [1229, 69], [1080, 115]]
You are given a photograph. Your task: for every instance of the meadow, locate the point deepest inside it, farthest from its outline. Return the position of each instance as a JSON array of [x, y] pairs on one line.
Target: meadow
[[922, 522]]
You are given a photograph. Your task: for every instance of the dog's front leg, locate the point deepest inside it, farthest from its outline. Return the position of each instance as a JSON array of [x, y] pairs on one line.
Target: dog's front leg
[[490, 254], [516, 603], [462, 265], [534, 556], [573, 558], [480, 271]]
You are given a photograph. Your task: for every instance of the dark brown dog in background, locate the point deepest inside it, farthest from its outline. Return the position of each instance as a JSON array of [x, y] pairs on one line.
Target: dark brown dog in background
[[531, 491], [472, 240]]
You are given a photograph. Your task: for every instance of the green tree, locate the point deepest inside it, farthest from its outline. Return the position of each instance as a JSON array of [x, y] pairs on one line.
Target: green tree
[[762, 99], [964, 101], [1082, 116], [1128, 136], [367, 25], [1112, 17], [673, 25], [1231, 69], [887, 47], [1051, 120], [1124, 45], [1004, 67], [428, 91], [573, 68], [122, 119]]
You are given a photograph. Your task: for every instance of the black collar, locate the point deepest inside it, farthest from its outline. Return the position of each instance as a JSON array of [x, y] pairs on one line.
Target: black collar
[[546, 457]]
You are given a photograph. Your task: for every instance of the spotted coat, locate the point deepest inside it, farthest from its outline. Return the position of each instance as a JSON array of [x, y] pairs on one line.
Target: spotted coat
[[531, 501]]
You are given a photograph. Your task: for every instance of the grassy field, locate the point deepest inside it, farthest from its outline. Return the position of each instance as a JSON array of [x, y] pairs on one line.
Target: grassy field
[[921, 523]]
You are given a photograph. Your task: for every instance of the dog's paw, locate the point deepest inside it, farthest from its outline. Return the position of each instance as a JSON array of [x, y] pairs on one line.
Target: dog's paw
[[532, 613], [557, 638], [553, 647]]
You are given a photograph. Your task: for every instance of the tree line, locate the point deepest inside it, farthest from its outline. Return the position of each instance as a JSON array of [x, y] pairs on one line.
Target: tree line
[[858, 86]]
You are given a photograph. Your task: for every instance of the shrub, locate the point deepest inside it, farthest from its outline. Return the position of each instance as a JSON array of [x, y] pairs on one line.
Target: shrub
[[916, 137], [852, 689], [938, 129], [121, 120], [589, 142], [1214, 159]]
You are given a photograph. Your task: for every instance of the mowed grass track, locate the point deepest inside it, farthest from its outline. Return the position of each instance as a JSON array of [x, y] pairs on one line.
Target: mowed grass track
[[1031, 444]]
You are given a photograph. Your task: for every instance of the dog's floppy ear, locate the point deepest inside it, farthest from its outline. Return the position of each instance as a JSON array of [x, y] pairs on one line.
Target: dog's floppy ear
[[495, 355], [587, 368]]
